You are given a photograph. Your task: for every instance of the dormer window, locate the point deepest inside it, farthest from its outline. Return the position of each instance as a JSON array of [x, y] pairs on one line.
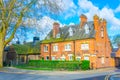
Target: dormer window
[[58, 35], [87, 29], [70, 32], [48, 37], [102, 32]]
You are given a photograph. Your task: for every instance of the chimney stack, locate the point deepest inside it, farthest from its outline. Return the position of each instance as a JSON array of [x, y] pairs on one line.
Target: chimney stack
[[104, 22], [96, 21], [56, 27], [83, 19]]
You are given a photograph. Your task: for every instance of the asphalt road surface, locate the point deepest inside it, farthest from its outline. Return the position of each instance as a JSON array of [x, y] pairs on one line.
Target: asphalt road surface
[[16, 76], [19, 74], [93, 78]]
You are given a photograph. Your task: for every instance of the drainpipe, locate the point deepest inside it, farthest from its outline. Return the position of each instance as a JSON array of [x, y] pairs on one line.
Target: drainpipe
[[74, 50], [50, 52]]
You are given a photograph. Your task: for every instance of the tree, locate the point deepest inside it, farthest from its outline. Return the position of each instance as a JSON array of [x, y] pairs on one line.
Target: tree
[[116, 40], [13, 13]]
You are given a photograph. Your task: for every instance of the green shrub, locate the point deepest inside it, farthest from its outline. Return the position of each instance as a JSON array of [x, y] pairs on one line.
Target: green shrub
[[60, 65], [85, 65]]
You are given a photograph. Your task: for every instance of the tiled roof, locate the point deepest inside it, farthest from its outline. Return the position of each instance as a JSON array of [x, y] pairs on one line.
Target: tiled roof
[[78, 33], [114, 50]]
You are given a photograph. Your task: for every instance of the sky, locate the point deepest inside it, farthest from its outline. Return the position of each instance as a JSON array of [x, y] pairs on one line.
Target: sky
[[72, 9]]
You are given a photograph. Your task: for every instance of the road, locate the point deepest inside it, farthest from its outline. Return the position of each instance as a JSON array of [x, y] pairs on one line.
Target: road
[[16, 74], [93, 78]]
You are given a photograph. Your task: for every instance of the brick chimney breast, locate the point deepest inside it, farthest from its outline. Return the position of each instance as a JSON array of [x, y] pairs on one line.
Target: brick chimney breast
[[96, 22], [83, 20], [95, 17], [56, 27], [104, 22]]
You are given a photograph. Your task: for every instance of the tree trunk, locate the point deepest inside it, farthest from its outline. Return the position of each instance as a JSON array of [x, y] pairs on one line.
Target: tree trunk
[[1, 51], [1, 57]]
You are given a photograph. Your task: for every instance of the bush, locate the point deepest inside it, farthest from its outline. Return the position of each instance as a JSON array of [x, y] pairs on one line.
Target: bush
[[85, 65], [61, 65], [67, 65]]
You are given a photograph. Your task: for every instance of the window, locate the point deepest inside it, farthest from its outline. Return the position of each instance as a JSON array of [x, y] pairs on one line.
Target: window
[[70, 32], [102, 32], [45, 48], [68, 47], [70, 57], [22, 59], [78, 58], [58, 35], [63, 58], [48, 37], [84, 46], [86, 57], [53, 57], [47, 57], [102, 60], [55, 48], [87, 29]]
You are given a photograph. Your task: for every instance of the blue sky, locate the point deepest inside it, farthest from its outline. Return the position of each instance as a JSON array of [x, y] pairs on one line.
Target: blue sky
[[72, 9]]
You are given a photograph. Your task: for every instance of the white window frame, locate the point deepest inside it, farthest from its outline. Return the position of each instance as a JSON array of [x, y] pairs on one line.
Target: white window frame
[[78, 58], [67, 47], [55, 48], [87, 31], [70, 57], [86, 58], [102, 60], [102, 32], [70, 32], [45, 48], [53, 58], [58, 35], [85, 46], [62, 58]]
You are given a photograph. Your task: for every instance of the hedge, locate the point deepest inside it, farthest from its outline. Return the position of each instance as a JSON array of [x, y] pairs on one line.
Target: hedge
[[85, 65], [61, 65]]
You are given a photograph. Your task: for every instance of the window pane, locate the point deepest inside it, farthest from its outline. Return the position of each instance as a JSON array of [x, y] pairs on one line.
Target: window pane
[[53, 57], [84, 46], [45, 48], [86, 58]]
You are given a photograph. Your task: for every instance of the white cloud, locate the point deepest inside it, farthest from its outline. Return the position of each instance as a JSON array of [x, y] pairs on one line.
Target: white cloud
[[90, 10], [117, 9], [72, 23], [68, 7], [42, 26]]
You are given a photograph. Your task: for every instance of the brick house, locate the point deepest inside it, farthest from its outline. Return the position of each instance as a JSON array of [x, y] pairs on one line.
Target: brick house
[[86, 41], [116, 55]]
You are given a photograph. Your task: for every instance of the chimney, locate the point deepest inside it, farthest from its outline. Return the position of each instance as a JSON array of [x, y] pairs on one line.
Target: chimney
[[35, 39], [56, 27], [118, 45], [104, 22], [96, 22], [83, 19]]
